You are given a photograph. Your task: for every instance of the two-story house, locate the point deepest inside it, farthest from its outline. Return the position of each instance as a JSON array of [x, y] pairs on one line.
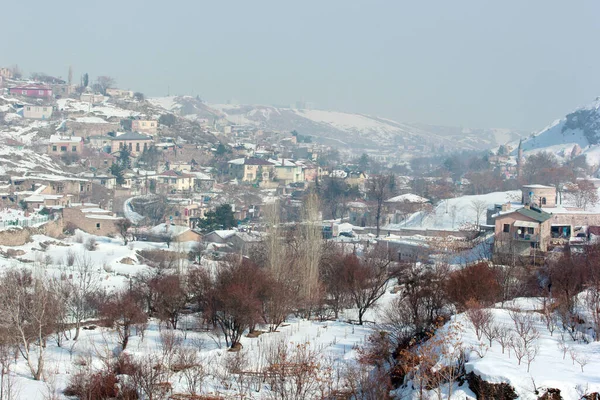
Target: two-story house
[[135, 142], [32, 90], [251, 169], [61, 145], [149, 126], [522, 230], [37, 112], [176, 181]]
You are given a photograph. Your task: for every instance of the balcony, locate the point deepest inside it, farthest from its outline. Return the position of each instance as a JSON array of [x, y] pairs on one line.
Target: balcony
[[535, 238]]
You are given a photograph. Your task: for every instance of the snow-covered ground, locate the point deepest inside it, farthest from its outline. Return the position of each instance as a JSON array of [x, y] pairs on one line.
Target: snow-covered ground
[[333, 342], [454, 214], [551, 368]]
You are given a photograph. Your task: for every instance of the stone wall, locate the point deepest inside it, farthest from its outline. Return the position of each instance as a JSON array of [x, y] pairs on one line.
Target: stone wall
[[85, 129], [101, 225]]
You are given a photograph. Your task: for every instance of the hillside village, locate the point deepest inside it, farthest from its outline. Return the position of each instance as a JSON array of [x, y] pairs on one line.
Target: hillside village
[[171, 248]]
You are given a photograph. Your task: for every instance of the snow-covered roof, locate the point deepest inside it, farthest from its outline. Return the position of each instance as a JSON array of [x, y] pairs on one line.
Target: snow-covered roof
[[174, 230], [65, 139], [225, 233], [407, 198]]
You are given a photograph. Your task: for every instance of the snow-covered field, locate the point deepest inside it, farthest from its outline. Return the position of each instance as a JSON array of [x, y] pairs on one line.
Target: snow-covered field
[[333, 343]]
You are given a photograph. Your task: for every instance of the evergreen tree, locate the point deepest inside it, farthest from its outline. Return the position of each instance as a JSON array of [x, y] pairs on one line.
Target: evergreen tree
[[221, 218]]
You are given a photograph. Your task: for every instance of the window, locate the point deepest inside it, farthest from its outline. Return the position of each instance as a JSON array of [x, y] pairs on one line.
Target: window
[[45, 108], [137, 147], [24, 92], [74, 148], [506, 228], [130, 147], [145, 146], [28, 108], [41, 92], [543, 200], [98, 225], [152, 124], [173, 180], [54, 148], [530, 231], [63, 148]]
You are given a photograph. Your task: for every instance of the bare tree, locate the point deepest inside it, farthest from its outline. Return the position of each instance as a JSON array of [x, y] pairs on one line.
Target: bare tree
[[481, 318], [123, 226], [379, 189], [310, 251], [583, 193], [30, 307], [151, 377], [104, 82], [123, 312], [478, 206], [83, 281], [367, 279]]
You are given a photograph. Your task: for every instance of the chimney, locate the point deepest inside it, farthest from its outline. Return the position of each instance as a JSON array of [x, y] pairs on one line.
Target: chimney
[[505, 207], [526, 206]]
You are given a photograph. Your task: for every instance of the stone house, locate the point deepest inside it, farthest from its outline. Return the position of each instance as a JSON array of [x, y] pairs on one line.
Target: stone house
[[135, 142], [175, 181], [37, 112], [92, 220], [149, 126], [251, 169], [61, 145], [176, 233], [522, 230]]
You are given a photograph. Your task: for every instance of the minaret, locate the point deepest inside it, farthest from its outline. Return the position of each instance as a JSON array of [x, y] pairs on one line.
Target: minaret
[[519, 158]]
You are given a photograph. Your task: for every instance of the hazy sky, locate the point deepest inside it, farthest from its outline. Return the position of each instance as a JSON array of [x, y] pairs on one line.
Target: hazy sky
[[475, 63]]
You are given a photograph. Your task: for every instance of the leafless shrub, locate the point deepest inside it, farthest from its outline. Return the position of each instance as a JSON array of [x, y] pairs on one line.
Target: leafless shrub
[[480, 318], [91, 244]]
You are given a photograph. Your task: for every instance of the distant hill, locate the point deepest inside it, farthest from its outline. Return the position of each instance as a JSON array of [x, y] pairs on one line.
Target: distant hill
[[580, 127], [350, 130]]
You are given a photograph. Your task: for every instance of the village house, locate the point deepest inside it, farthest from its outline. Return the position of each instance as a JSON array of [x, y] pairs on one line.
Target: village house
[[91, 219], [232, 241], [135, 142], [288, 171], [60, 145], [120, 93], [91, 126], [539, 221], [43, 197], [251, 169], [61, 90], [32, 90], [522, 230], [185, 211], [149, 126], [93, 98], [37, 112], [175, 181], [398, 208], [170, 232]]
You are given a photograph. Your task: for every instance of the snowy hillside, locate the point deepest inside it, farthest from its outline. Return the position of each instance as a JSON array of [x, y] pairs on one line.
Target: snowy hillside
[[457, 213], [579, 128], [351, 130]]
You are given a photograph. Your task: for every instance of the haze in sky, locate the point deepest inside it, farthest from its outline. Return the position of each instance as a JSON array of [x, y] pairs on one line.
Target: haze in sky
[[473, 63]]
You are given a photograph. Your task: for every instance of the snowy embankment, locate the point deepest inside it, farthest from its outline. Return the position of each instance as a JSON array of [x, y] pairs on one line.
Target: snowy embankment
[[556, 360], [454, 214], [130, 214]]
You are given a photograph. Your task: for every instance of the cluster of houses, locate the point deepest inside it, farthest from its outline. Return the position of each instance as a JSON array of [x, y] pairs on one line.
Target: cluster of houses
[[539, 224]]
